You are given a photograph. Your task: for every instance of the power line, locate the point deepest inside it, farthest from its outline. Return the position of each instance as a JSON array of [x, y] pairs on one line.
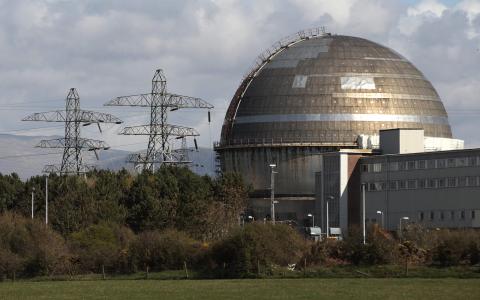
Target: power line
[[28, 155]]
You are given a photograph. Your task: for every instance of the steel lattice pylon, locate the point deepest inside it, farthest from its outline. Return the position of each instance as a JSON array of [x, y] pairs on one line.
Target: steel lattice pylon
[[72, 144], [160, 148]]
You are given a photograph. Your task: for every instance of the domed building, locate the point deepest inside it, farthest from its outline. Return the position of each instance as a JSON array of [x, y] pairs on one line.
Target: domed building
[[317, 93]]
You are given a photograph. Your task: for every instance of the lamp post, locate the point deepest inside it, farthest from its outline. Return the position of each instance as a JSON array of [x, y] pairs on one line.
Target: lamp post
[[251, 218], [400, 226], [272, 192], [313, 219], [33, 195], [363, 212], [379, 212], [46, 200], [328, 222]]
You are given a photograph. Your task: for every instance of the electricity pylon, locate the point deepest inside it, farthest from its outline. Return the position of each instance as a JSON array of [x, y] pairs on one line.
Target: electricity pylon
[[160, 134], [72, 144]]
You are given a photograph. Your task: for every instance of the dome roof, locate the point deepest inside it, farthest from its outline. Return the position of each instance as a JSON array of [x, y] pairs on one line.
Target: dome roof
[[328, 90]]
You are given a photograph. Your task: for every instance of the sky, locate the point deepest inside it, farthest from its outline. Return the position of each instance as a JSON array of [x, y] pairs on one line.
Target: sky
[[111, 48]]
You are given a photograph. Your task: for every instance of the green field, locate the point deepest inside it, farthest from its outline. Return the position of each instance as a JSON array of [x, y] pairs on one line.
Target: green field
[[246, 289]]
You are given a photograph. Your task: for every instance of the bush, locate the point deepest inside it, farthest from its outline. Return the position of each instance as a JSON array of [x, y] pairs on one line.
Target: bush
[[29, 248], [167, 250], [379, 248], [102, 246], [256, 246]]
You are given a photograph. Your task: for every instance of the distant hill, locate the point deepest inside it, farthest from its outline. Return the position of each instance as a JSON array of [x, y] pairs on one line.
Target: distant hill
[[18, 154]]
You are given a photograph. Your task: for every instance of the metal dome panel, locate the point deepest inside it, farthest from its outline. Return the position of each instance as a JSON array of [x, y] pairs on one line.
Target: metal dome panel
[[328, 90]]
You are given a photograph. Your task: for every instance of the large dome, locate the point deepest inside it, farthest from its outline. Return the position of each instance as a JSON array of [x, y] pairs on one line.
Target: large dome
[[328, 90]]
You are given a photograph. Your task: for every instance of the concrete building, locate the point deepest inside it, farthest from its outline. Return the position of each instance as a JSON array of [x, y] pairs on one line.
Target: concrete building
[[435, 189]]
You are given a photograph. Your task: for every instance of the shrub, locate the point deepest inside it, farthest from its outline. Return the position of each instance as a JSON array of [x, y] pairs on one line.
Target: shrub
[[102, 246], [379, 248], [165, 250], [247, 249], [29, 248]]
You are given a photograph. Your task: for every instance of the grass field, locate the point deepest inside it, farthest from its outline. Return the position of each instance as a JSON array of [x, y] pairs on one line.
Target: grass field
[[246, 289]]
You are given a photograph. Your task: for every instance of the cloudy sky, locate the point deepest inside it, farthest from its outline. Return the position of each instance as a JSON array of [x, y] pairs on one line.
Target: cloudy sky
[[110, 48]]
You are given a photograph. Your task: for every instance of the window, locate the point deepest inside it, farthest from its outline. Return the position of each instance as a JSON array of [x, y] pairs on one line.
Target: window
[[421, 216], [394, 166], [422, 183], [441, 182], [462, 215], [365, 168], [411, 184], [421, 164], [431, 183], [461, 162], [452, 181], [440, 163], [432, 215], [451, 162], [411, 165], [377, 167], [402, 166], [472, 161], [431, 164], [462, 181], [473, 214], [472, 181], [442, 216], [402, 185], [393, 185], [452, 215]]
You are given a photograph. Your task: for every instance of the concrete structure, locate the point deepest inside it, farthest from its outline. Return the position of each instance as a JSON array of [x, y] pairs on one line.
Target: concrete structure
[[435, 189], [316, 93]]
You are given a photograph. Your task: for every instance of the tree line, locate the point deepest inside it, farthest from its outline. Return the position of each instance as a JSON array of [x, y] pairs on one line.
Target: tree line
[[119, 223]]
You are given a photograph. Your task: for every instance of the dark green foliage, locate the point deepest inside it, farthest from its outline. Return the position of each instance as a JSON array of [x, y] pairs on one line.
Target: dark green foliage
[[11, 188]]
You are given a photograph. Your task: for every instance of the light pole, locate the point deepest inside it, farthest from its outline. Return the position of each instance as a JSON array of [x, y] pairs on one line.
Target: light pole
[[328, 223], [272, 192], [363, 212], [251, 218], [379, 212], [46, 200], [33, 192], [313, 219], [400, 226]]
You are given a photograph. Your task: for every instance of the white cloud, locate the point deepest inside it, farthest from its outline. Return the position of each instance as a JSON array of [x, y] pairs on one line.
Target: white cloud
[[110, 48]]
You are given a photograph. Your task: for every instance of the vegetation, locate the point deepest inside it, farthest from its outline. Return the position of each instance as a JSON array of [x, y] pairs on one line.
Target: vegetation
[[116, 223]]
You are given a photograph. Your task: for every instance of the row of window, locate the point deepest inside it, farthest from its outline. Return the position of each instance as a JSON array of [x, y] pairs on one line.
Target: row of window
[[448, 215], [445, 215], [459, 162], [424, 183]]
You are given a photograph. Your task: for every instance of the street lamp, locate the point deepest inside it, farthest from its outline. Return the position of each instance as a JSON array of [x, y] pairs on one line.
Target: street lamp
[[313, 219], [251, 218], [272, 192], [364, 185], [379, 212], [400, 227], [33, 192], [328, 223]]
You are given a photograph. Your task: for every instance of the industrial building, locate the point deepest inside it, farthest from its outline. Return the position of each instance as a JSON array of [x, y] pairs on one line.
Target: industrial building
[[317, 109]]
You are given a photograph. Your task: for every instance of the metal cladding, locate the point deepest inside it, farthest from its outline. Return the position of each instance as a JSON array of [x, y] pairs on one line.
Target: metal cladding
[[329, 89]]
